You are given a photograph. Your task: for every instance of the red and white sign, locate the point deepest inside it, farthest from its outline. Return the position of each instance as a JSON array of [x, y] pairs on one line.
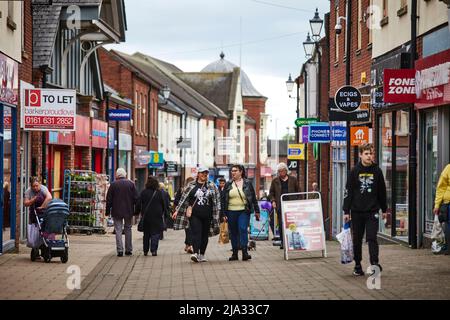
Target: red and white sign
[[9, 80], [48, 110], [399, 86]]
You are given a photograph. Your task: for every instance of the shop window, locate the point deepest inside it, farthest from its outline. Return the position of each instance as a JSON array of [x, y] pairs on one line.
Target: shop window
[[385, 163], [431, 174]]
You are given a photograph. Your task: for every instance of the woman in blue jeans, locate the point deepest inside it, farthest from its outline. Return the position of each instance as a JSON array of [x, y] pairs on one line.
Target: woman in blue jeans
[[238, 201]]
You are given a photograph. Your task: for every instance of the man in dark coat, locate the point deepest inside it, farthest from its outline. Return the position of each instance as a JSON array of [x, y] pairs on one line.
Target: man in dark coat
[[120, 201], [282, 184]]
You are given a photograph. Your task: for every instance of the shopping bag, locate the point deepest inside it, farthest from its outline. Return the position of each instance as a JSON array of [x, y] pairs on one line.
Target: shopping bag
[[33, 237], [223, 235], [437, 236], [345, 239]]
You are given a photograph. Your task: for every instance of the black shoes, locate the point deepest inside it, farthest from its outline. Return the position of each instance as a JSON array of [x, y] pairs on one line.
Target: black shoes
[[154, 254], [128, 253], [234, 256], [145, 253], [358, 271], [245, 255], [120, 254]]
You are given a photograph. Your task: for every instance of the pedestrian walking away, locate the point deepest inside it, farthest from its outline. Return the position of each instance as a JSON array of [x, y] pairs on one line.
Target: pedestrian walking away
[[442, 204], [283, 184], [188, 237], [199, 210], [151, 205], [166, 215], [365, 195], [120, 204], [239, 201]]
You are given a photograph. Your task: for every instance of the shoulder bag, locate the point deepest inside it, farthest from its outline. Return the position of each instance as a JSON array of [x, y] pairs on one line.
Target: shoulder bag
[[140, 226]]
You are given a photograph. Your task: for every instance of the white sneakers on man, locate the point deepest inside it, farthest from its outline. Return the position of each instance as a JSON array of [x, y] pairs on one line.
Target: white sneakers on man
[[198, 258]]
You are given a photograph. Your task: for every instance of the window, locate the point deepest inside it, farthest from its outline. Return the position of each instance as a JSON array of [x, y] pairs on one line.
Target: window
[[430, 157], [336, 41], [360, 23], [385, 163]]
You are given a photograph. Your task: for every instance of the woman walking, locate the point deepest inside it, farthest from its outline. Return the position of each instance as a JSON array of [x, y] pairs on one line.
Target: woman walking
[[151, 206], [239, 201], [199, 209], [188, 237]]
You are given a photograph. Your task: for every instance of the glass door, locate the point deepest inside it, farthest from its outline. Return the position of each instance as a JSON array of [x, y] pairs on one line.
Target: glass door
[[431, 175], [385, 156]]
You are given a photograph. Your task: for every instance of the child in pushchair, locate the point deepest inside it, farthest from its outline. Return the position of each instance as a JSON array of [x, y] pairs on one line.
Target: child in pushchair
[[53, 222]]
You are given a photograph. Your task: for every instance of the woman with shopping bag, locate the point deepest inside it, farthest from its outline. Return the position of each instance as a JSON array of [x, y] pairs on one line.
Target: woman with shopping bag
[[442, 205], [224, 237]]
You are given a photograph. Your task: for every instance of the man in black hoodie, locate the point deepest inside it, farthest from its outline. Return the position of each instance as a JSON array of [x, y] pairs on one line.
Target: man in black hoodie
[[365, 195]]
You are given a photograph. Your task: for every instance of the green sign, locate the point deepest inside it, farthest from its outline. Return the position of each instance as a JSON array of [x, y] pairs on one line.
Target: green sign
[[305, 121]]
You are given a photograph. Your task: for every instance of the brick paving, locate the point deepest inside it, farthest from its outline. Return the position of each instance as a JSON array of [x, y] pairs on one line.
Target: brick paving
[[407, 274]]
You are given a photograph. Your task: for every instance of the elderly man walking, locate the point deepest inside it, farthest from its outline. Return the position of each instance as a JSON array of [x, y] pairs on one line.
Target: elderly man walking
[[120, 201], [282, 184]]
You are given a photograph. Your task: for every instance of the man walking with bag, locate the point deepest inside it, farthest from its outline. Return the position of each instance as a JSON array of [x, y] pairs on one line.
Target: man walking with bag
[[365, 195], [120, 200]]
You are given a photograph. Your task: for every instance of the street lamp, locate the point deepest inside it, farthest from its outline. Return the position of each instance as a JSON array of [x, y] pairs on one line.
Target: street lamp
[[290, 85], [165, 92], [309, 46], [316, 24]]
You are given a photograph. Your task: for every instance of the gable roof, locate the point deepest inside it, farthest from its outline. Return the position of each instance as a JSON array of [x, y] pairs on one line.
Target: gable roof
[[163, 74]]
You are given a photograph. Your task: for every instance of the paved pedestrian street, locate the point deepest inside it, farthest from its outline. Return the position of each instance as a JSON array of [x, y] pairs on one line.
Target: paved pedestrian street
[[407, 274]]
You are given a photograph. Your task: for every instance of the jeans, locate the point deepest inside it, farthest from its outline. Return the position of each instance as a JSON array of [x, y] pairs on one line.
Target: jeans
[[238, 222], [200, 233], [152, 241], [118, 227], [365, 221]]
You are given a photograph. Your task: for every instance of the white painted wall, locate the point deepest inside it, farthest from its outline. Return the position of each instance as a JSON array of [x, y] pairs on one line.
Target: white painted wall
[[206, 147], [168, 133], [11, 40], [398, 29]]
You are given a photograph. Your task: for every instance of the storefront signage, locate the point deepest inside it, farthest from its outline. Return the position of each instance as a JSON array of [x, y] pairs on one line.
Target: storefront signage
[[119, 115], [338, 133], [60, 138], [99, 134], [305, 121], [9, 80], [399, 86], [304, 134], [82, 134], [143, 156], [359, 135], [296, 152], [335, 114], [49, 110], [156, 159], [433, 77], [303, 225], [293, 165], [171, 166], [319, 133], [348, 99]]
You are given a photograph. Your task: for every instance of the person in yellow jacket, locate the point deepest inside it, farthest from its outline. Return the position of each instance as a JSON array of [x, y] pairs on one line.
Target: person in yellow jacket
[[442, 203]]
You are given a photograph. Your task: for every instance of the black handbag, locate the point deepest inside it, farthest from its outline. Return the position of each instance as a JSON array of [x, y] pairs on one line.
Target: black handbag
[[140, 226]]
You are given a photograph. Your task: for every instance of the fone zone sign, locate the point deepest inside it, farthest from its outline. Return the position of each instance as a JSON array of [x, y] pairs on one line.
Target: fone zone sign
[[48, 110]]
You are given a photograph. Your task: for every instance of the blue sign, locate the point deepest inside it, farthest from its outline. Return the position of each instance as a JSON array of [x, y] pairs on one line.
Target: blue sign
[[319, 133], [119, 115], [259, 230], [156, 160], [338, 133]]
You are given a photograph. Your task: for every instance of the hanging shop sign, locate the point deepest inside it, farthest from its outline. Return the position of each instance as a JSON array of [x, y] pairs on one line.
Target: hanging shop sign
[[99, 134], [305, 121], [304, 134], [119, 115], [293, 165], [335, 114], [359, 135], [49, 110], [143, 156], [9, 80], [296, 152], [338, 133], [156, 160], [399, 86], [319, 133], [348, 99]]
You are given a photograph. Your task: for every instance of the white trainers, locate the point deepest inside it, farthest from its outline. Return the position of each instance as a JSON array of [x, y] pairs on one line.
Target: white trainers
[[195, 258], [202, 258]]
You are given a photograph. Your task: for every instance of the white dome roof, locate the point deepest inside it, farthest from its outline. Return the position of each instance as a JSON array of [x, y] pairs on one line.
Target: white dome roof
[[224, 66]]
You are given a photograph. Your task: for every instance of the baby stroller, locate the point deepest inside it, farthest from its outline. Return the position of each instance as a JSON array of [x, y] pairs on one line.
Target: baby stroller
[[53, 222]]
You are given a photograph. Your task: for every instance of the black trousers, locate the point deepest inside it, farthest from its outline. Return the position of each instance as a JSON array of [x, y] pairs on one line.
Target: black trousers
[[188, 237], [151, 241], [199, 226], [365, 222]]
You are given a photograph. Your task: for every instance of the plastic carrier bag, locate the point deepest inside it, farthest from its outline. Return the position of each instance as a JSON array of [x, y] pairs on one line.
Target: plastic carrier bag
[[345, 239]]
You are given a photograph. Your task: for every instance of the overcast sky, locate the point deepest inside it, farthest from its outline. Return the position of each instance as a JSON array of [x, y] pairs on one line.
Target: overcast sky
[[191, 34]]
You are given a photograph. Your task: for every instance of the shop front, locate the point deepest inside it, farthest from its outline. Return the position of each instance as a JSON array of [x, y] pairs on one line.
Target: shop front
[[59, 152], [124, 156], [82, 143], [9, 84], [99, 144], [433, 105]]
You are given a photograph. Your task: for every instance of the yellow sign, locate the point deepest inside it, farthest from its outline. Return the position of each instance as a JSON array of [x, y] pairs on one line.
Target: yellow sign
[[296, 152]]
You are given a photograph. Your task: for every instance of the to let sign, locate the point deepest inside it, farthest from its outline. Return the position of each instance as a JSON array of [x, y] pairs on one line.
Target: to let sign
[[49, 110], [399, 86]]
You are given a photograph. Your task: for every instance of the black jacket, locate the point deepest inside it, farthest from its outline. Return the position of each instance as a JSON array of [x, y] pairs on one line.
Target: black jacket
[[249, 191], [121, 198], [153, 215], [365, 190]]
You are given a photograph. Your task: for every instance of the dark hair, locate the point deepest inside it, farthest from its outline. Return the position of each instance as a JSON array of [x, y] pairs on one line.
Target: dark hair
[[152, 183], [222, 180], [33, 180], [365, 147], [240, 168]]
